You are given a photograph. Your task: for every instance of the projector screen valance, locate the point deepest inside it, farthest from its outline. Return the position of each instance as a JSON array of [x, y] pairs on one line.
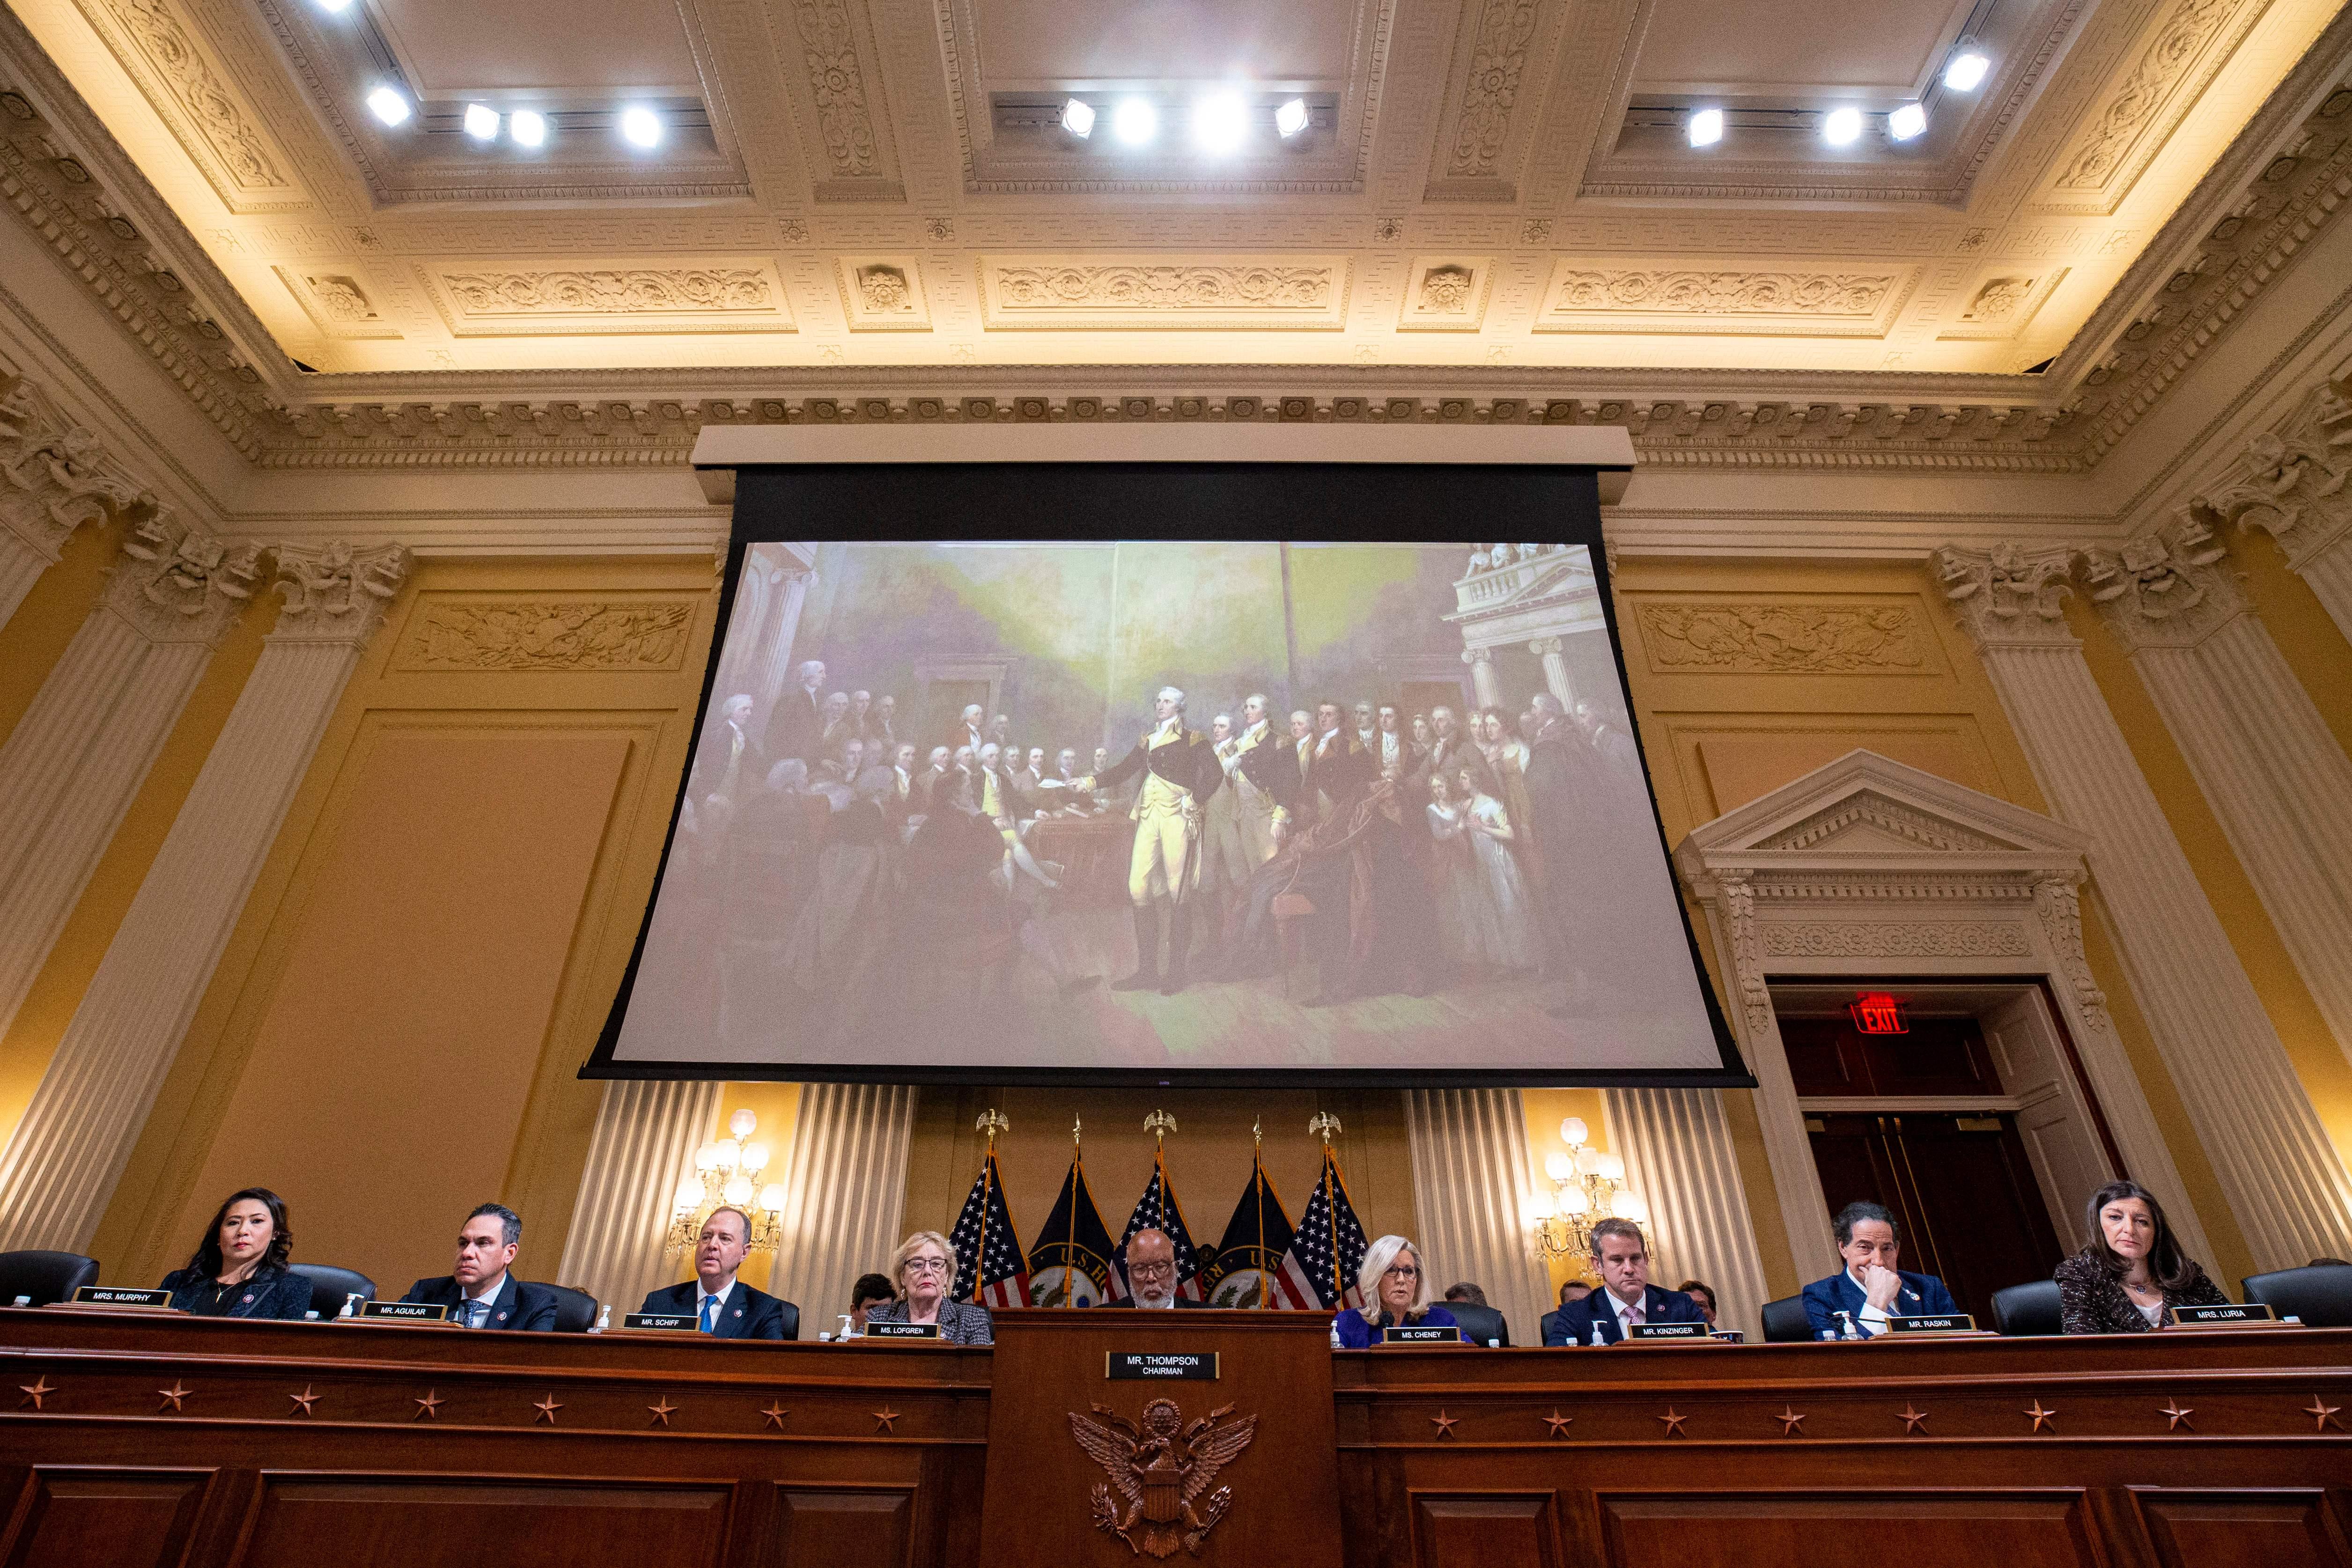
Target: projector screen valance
[[1167, 772]]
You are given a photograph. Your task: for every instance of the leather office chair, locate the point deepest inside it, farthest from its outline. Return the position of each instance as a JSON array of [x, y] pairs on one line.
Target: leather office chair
[[1785, 1322], [575, 1310], [1481, 1324], [2321, 1296], [792, 1316], [2028, 1308], [330, 1286], [45, 1277]]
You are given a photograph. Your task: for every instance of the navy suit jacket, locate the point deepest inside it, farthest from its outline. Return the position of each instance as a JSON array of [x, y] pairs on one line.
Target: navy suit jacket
[[1923, 1295], [1572, 1324], [746, 1313], [516, 1306]]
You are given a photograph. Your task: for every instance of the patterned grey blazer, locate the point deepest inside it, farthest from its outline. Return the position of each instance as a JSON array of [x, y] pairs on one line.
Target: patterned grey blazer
[[961, 1322]]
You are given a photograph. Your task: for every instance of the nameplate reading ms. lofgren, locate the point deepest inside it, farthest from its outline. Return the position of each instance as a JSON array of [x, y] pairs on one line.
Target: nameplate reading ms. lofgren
[[114, 1296], [1935, 1322], [2221, 1316], [1190, 1365], [405, 1312], [1670, 1331], [668, 1323], [901, 1330], [1421, 1334]]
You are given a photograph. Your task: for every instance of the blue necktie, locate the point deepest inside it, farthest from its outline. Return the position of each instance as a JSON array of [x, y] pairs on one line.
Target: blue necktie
[[709, 1314], [474, 1310]]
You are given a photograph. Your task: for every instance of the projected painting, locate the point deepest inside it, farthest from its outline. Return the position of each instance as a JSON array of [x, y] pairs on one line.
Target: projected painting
[[1151, 806]]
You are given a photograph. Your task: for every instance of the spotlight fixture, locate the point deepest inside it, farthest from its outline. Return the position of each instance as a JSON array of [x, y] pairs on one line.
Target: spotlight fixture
[[1078, 117], [1906, 122], [481, 123], [1135, 121], [1966, 71], [336, 6], [1706, 127], [528, 127], [1220, 121], [1843, 127], [1291, 117], [640, 127], [389, 104]]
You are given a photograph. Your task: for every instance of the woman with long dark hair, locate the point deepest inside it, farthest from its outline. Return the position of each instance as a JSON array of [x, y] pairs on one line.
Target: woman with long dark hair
[[2132, 1271], [239, 1268]]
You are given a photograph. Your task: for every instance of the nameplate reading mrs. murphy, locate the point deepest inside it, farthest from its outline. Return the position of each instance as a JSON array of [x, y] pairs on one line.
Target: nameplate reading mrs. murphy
[[405, 1312], [901, 1330], [2221, 1316], [1188, 1365], [664, 1322], [1669, 1331], [120, 1296]]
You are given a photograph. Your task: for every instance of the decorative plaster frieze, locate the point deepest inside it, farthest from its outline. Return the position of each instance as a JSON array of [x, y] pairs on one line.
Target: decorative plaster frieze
[[1869, 939], [1777, 638], [340, 302], [1900, 822], [1288, 292], [1582, 298], [836, 84], [181, 584], [191, 91], [2189, 43], [54, 475], [2058, 904], [1445, 294], [2294, 483], [334, 593], [2002, 306], [697, 297], [1498, 59], [2010, 595], [883, 293], [476, 632]]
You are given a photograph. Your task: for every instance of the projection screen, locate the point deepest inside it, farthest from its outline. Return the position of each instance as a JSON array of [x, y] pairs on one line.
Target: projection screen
[[1169, 772]]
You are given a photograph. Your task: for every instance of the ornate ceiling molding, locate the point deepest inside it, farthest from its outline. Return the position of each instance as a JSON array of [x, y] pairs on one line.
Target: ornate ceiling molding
[[193, 93], [716, 295], [2131, 120], [1221, 294], [1677, 296]]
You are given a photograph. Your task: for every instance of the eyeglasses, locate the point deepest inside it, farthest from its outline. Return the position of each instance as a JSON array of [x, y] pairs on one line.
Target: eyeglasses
[[927, 1266], [1402, 1272], [1150, 1270]]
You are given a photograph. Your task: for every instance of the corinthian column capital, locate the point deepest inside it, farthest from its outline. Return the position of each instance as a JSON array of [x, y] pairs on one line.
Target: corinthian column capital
[[2165, 587], [180, 584], [2012, 595], [334, 593]]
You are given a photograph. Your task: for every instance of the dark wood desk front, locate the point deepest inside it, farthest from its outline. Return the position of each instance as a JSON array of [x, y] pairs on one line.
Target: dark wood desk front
[[135, 1440]]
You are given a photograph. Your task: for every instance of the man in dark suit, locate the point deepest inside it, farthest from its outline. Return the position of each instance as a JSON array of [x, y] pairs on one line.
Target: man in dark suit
[[1180, 771], [480, 1290], [1151, 1274], [796, 726], [728, 1308], [1626, 1298], [1573, 1290], [1871, 1289]]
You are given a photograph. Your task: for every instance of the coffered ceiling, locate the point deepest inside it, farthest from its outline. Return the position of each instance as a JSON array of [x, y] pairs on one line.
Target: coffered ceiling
[[1495, 200]]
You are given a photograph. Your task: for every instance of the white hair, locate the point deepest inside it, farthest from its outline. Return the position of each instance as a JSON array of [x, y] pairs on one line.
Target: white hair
[[1174, 692], [1377, 1258], [1298, 713], [1258, 697]]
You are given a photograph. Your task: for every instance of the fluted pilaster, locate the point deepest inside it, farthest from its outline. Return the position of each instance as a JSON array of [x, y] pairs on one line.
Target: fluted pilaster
[[60, 1166], [54, 477], [1471, 1187], [646, 1132], [846, 1195], [1678, 1154]]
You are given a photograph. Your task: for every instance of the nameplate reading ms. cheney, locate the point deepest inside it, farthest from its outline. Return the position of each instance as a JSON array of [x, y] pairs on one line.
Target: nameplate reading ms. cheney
[[405, 1312], [1191, 1366], [901, 1330], [114, 1296], [1421, 1334]]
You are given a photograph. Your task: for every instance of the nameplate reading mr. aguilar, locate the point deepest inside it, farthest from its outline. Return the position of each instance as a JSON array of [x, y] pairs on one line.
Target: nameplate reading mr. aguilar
[[1669, 1330], [2223, 1316], [113, 1296], [405, 1312], [1935, 1322], [667, 1322], [1188, 1365], [1421, 1334], [901, 1330]]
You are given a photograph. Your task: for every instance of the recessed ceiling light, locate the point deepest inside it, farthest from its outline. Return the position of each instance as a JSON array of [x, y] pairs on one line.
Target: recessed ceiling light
[[388, 104], [641, 127], [1967, 70], [1706, 127], [334, 5], [1291, 117], [1135, 121], [1078, 117], [1906, 122], [481, 123], [1220, 121], [1842, 128], [528, 127]]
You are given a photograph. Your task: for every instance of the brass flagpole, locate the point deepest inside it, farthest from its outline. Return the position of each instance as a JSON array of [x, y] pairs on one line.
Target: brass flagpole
[[991, 1121], [1257, 1196], [1326, 1124]]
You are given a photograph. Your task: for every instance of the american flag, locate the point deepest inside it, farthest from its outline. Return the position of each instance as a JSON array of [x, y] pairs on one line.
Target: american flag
[[1158, 1210], [1247, 1269], [1320, 1266], [989, 1260]]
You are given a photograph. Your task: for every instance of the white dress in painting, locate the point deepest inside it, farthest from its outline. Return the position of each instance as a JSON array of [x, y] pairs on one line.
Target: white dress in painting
[[1506, 889], [1467, 921]]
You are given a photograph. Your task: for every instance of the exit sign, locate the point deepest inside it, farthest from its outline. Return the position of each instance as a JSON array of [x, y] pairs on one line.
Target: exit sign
[[1875, 1012]]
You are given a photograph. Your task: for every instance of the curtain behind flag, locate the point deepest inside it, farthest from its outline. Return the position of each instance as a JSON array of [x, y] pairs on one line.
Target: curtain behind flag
[[1070, 1264], [988, 1253], [1158, 1210], [1246, 1269], [1329, 1246]]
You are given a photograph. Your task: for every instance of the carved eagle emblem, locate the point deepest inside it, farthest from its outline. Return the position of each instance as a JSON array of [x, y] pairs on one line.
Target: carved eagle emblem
[[1160, 1468]]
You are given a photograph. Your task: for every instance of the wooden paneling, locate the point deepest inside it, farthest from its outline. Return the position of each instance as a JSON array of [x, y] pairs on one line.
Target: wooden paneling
[[1452, 1530], [119, 1518], [429, 1522], [843, 1527], [2287, 1527], [1850, 1528]]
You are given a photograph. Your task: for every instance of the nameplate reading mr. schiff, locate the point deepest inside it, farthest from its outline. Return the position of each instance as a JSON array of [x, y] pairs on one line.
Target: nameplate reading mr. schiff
[[113, 1296], [405, 1312], [902, 1330], [2221, 1316], [1669, 1330], [1936, 1323], [1421, 1334], [665, 1322], [1190, 1365]]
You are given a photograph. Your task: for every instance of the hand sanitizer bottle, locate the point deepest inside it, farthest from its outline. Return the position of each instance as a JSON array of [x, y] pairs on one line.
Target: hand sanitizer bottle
[[848, 1329], [1845, 1326], [604, 1317], [1599, 1340], [1334, 1335], [350, 1306]]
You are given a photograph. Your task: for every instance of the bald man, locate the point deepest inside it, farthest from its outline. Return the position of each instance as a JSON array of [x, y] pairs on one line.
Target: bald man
[[1151, 1274]]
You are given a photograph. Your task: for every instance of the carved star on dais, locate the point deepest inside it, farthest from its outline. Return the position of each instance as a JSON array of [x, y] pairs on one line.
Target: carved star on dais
[[2325, 1414], [1792, 1425], [41, 1388], [547, 1408], [661, 1412], [775, 1413], [430, 1406], [1674, 1423], [1559, 1423], [304, 1400], [2042, 1417], [174, 1394], [884, 1417], [1443, 1423], [2176, 1416], [1912, 1419]]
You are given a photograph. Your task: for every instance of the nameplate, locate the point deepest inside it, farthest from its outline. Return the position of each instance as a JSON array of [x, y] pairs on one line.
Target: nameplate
[[405, 1312], [2226, 1316], [901, 1330], [113, 1296], [1185, 1365], [1685, 1332], [665, 1323], [1421, 1334], [1933, 1322]]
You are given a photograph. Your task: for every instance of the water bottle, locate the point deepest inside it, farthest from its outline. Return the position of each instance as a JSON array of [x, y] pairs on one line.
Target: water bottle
[[604, 1317]]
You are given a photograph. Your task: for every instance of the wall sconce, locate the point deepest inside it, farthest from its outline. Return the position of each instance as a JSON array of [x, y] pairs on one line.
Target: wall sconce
[[725, 1173], [1588, 1186]]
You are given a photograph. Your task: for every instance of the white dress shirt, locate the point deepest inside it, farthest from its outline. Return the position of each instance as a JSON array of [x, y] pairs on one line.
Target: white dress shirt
[[1870, 1317]]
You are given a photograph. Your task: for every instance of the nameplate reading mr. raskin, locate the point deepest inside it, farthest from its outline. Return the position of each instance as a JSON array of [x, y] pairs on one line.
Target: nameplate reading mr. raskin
[[902, 1330], [1421, 1334], [1933, 1322], [1669, 1330], [405, 1312], [113, 1296], [665, 1323], [1190, 1365], [2196, 1317]]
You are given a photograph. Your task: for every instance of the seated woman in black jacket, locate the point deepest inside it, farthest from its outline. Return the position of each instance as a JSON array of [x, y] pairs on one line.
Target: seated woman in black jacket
[[2132, 1271], [239, 1268]]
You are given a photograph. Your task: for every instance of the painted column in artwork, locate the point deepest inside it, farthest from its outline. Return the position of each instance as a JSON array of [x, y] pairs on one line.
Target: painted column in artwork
[[845, 1187], [2269, 1151], [1678, 1154], [1555, 669], [1484, 684], [1472, 1193], [61, 1165], [646, 1134], [54, 477], [769, 669]]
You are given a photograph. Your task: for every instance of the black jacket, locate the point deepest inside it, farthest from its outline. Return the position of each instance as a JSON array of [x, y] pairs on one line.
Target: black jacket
[[746, 1313], [1189, 762], [269, 1292], [517, 1305]]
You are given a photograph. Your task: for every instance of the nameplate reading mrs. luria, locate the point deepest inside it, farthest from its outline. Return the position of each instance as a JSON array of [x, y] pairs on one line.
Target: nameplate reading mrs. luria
[[667, 1322], [2229, 1316], [405, 1312], [901, 1330], [1933, 1322], [1190, 1365], [1421, 1334], [1669, 1331], [113, 1296]]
